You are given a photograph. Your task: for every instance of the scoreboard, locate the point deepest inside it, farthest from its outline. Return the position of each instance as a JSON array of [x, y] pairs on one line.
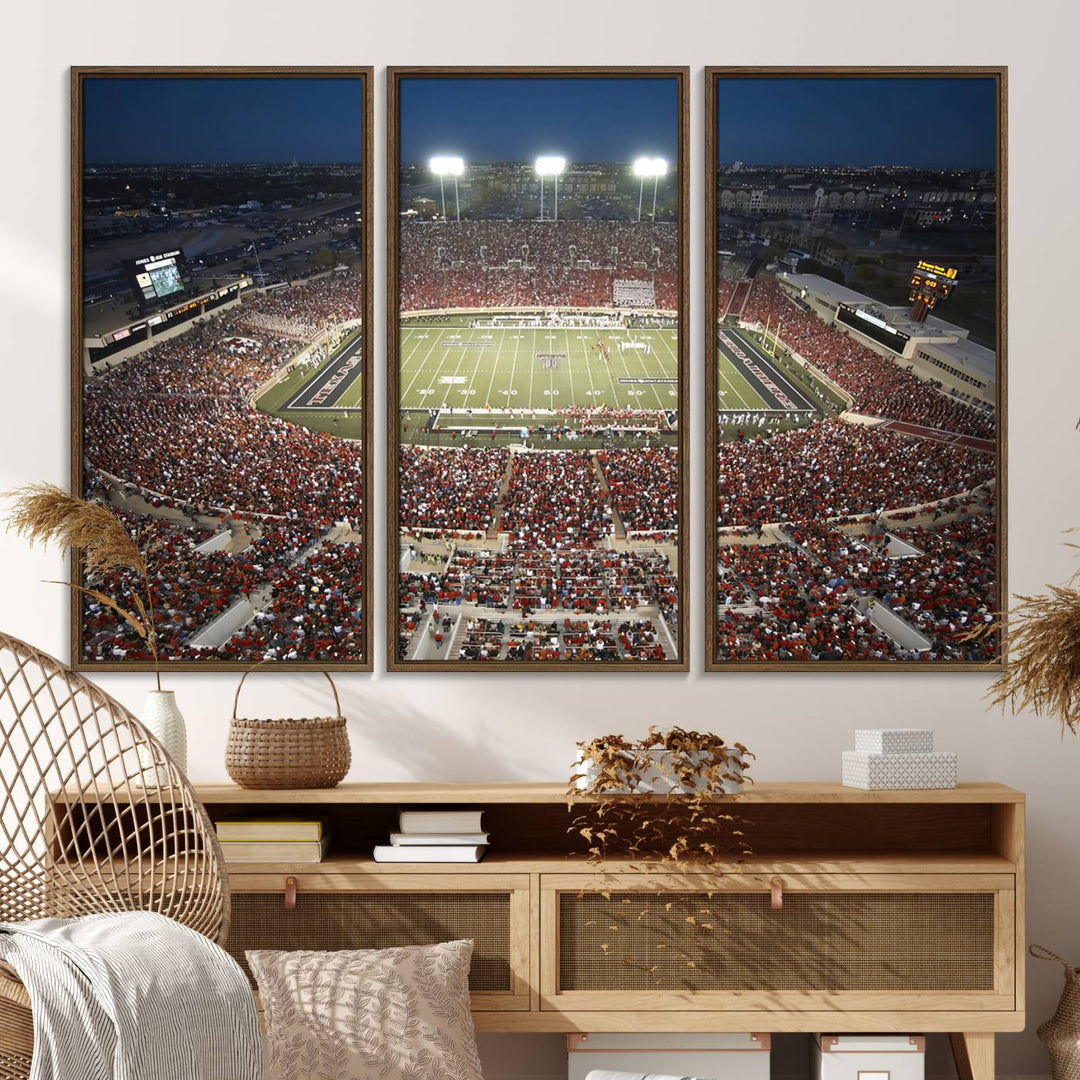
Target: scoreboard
[[929, 283], [161, 276]]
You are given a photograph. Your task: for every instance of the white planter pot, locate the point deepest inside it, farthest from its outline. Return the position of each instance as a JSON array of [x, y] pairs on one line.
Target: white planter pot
[[163, 719], [658, 779]]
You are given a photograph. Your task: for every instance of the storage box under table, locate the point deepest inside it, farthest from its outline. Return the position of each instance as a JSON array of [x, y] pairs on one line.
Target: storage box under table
[[867, 1057], [703, 1055]]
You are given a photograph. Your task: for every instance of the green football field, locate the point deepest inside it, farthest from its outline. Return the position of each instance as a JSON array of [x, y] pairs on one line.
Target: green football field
[[526, 369]]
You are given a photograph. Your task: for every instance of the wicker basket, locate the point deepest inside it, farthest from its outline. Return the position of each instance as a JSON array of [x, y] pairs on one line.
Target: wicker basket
[[1061, 1033], [305, 753]]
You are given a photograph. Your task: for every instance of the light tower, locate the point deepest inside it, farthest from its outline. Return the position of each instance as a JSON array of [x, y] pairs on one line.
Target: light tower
[[550, 166], [645, 167], [442, 167]]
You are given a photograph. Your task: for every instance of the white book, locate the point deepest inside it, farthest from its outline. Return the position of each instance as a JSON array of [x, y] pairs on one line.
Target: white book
[[267, 851], [440, 821], [429, 854], [401, 839]]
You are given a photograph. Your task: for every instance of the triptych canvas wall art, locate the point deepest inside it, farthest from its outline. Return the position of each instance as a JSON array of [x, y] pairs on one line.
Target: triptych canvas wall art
[[538, 359]]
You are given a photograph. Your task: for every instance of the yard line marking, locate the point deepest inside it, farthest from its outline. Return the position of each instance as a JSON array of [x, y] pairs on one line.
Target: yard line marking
[[614, 392], [457, 371], [494, 367], [648, 374], [476, 367], [513, 369], [436, 336], [532, 371], [593, 399], [570, 365]]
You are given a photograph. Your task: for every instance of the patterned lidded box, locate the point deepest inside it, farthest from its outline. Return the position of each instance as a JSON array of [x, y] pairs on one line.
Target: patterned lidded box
[[895, 740], [898, 772]]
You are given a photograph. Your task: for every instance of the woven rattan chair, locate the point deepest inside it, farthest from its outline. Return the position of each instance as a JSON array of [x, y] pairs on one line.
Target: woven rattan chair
[[94, 817]]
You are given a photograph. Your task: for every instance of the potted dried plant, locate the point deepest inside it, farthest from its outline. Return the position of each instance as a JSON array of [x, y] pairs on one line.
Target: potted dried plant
[[697, 773], [47, 514], [664, 802]]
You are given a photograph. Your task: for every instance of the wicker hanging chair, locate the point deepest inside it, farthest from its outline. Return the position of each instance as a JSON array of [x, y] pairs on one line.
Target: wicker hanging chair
[[94, 817]]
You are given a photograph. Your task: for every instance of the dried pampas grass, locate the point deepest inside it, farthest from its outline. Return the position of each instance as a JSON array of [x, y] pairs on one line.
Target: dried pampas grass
[[46, 514], [1044, 633]]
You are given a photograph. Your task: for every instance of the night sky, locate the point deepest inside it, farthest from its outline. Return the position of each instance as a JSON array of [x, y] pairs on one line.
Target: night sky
[[581, 119], [924, 122], [222, 121]]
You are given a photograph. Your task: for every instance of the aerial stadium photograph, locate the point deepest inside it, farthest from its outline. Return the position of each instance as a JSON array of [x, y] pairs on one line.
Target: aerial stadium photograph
[[220, 375], [537, 365], [855, 368]]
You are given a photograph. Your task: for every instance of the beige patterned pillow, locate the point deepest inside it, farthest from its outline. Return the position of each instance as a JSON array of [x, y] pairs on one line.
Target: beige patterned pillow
[[394, 1014]]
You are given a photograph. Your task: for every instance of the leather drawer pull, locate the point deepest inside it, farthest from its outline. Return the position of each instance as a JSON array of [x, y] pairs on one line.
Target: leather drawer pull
[[776, 888], [290, 894]]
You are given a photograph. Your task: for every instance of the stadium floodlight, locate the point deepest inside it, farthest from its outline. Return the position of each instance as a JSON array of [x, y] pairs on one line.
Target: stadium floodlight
[[550, 165], [649, 167], [443, 166]]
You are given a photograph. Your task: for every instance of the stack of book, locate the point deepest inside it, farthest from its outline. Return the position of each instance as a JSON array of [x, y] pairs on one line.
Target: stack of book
[[259, 840], [427, 836]]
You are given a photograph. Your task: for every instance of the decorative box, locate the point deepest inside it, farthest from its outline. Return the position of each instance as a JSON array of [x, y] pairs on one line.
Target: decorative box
[[867, 1057], [895, 740], [731, 1055], [898, 772]]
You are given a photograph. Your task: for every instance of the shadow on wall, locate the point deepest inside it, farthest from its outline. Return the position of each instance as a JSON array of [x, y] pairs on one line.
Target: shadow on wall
[[417, 741]]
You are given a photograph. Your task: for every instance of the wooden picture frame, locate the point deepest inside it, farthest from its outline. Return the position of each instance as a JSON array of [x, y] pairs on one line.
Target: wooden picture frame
[[975, 639], [508, 650], [324, 331]]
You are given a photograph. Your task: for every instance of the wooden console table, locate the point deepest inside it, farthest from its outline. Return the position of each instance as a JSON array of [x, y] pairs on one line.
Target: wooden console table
[[859, 911]]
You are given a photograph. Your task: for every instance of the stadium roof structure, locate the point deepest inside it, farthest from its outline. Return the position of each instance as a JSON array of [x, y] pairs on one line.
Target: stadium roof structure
[[933, 328], [944, 339]]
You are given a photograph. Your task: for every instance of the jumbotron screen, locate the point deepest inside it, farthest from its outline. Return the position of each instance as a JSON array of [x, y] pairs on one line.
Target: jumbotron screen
[[872, 327], [158, 277]]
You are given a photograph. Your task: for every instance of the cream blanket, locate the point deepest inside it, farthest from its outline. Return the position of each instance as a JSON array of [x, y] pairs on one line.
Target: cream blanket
[[133, 996]]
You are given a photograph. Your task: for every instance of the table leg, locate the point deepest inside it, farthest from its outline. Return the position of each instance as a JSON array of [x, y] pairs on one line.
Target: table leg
[[973, 1052]]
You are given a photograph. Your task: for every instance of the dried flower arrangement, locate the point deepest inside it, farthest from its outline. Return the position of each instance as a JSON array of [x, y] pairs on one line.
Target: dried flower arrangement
[[1044, 673], [614, 777], [662, 801], [47, 514]]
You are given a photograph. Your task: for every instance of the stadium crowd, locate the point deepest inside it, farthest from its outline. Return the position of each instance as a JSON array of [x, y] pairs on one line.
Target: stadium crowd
[[644, 487], [809, 598], [498, 264], [304, 310], [174, 423], [833, 469], [449, 488], [555, 501]]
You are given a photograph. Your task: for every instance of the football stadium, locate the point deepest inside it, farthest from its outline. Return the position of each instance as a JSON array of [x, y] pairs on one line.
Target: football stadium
[[539, 393], [855, 473]]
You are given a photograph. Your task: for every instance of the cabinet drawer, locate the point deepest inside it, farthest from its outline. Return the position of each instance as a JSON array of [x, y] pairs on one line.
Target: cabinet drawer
[[858, 942], [369, 911]]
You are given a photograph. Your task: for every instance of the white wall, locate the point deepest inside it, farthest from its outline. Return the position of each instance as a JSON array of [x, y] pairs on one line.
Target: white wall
[[461, 727]]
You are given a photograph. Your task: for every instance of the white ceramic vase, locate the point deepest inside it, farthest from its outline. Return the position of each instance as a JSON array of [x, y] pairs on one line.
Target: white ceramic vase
[[163, 719]]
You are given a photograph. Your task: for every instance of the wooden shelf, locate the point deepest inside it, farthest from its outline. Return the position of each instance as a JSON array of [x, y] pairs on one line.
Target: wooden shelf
[[965, 862], [469, 793]]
